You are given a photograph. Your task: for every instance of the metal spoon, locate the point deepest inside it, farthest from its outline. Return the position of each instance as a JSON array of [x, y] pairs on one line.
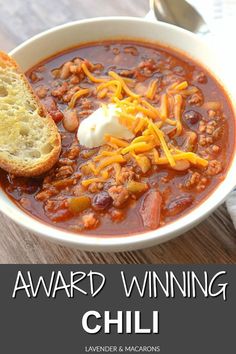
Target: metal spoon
[[179, 13]]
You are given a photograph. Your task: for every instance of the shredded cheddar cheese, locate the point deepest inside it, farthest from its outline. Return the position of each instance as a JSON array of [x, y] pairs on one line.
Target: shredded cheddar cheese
[[177, 111], [106, 153], [152, 89], [147, 121], [112, 83], [123, 84], [166, 150], [76, 96], [87, 182], [152, 108], [117, 169], [190, 156], [102, 93], [116, 141], [138, 108], [140, 123], [141, 146], [155, 155], [110, 160], [181, 86], [90, 75], [164, 106], [189, 91]]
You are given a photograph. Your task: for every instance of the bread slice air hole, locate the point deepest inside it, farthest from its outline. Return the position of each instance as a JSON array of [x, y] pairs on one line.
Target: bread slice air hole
[[3, 91], [24, 131], [35, 154], [46, 149]]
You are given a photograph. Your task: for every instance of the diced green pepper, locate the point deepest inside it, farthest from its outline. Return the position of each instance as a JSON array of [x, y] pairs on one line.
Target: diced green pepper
[[136, 187]]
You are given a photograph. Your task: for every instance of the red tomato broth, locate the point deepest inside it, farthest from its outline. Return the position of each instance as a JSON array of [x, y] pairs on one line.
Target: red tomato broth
[[165, 179]]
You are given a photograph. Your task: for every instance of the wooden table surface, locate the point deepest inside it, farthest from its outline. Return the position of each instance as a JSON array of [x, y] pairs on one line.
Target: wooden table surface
[[213, 241]]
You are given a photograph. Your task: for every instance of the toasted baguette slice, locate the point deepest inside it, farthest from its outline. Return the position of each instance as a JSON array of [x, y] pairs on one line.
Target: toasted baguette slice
[[30, 143]]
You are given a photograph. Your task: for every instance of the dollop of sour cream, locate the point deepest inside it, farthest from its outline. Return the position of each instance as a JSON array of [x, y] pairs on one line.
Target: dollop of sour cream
[[104, 121]]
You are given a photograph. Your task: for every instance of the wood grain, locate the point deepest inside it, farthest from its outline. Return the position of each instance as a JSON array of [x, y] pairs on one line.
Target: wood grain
[[213, 241]]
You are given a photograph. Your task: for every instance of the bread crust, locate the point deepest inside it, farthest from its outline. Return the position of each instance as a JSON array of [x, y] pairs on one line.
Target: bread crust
[[18, 169]]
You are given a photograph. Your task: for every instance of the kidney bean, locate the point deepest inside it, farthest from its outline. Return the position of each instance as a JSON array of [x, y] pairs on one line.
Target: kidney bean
[[192, 117], [150, 209], [178, 205], [70, 121], [101, 201], [52, 109], [57, 116]]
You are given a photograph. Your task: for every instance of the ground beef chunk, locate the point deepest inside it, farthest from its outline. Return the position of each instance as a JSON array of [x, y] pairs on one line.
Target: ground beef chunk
[[193, 180], [52, 108], [78, 189], [149, 64], [217, 133], [25, 203], [127, 73], [68, 94], [60, 90], [85, 113], [46, 194], [64, 161], [205, 140], [95, 187], [115, 51], [214, 167], [57, 210], [215, 148], [119, 195], [202, 184], [117, 215], [86, 104], [126, 174], [74, 151], [211, 113], [35, 77], [64, 171], [74, 80], [41, 91], [196, 99], [200, 77], [51, 205], [90, 221]]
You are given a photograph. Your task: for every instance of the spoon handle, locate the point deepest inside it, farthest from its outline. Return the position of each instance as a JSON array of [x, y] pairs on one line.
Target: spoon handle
[[180, 13]]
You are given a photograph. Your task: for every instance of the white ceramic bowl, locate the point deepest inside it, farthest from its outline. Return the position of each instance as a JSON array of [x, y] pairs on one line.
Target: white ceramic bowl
[[72, 34]]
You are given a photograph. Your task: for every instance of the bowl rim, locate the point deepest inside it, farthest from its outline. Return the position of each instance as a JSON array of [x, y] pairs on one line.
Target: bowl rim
[[125, 242]]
